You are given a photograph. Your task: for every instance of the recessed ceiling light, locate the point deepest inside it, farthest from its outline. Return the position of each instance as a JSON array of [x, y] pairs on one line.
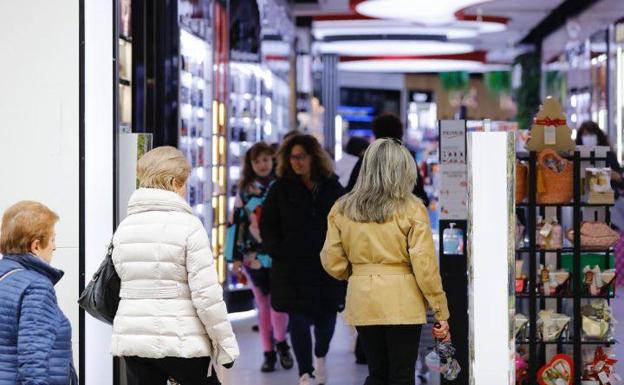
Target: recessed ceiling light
[[418, 66], [392, 47], [426, 12], [322, 29]]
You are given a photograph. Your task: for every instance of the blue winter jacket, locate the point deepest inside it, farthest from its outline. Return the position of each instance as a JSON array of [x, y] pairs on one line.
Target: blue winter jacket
[[35, 335]]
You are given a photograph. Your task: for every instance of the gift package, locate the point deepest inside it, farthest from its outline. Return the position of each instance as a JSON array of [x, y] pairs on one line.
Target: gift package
[[554, 282], [600, 370], [598, 186], [597, 282], [595, 235], [552, 326], [597, 320], [549, 234]]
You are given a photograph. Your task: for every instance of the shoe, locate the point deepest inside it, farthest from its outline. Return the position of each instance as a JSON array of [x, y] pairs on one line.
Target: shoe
[[270, 359], [284, 355], [306, 379], [423, 379], [320, 373]]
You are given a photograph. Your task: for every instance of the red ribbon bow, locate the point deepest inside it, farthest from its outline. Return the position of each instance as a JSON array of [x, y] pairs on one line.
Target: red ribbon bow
[[549, 122]]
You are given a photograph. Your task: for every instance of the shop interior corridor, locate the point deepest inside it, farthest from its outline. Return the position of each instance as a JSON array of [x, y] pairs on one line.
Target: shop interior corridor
[[342, 369]]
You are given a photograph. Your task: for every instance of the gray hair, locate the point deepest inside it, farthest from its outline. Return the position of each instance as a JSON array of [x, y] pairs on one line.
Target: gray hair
[[385, 183]]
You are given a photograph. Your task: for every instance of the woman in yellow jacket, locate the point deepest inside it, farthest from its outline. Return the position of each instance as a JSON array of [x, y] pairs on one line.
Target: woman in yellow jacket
[[379, 239]]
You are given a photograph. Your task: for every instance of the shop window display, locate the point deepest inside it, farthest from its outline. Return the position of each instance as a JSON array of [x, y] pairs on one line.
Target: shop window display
[[564, 263]]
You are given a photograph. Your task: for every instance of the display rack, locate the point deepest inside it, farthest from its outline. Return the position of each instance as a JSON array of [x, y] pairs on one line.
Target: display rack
[[536, 256], [125, 67]]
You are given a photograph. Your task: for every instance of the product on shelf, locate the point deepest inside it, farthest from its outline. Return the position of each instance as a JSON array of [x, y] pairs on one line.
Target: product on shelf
[[520, 326], [601, 370], [599, 186], [595, 235], [559, 371], [554, 178], [598, 283], [550, 129], [522, 182], [554, 282], [521, 278], [552, 326], [453, 240], [549, 234], [597, 320]]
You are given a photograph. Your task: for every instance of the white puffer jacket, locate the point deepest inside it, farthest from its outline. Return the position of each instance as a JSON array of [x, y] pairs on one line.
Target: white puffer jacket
[[171, 300]]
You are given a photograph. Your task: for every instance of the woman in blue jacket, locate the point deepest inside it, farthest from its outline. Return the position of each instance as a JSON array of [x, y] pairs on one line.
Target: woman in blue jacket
[[35, 335]]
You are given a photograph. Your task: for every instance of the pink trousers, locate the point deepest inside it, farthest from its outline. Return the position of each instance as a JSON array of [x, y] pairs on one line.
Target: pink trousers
[[272, 324]]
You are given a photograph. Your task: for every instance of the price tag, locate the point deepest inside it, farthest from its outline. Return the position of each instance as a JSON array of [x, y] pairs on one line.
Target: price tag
[[550, 135]]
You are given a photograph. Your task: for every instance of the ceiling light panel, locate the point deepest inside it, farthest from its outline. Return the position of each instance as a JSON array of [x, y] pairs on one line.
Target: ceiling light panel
[[418, 66], [391, 47], [422, 11]]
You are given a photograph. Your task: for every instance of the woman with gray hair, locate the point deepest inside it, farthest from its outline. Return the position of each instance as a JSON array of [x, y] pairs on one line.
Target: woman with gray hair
[[379, 239], [172, 321]]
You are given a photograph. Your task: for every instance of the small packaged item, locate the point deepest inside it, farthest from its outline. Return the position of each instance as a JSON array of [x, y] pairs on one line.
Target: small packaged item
[[598, 282], [554, 282], [595, 235], [599, 186], [597, 320], [600, 370], [521, 278], [549, 234], [441, 360], [453, 240], [552, 326], [520, 326], [559, 371]]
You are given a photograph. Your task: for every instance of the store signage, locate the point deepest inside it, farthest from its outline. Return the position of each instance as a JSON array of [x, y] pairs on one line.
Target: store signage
[[453, 176]]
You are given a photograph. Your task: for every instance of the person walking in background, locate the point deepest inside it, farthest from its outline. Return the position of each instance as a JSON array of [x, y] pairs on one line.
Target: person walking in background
[[35, 335], [171, 321], [379, 239], [390, 126], [293, 228], [353, 153], [250, 258]]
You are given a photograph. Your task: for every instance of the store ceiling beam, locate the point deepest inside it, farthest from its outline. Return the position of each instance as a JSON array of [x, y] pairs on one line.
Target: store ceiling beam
[[557, 18]]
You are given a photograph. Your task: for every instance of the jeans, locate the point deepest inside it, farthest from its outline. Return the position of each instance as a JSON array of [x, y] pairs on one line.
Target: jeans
[[152, 371], [391, 351], [301, 338]]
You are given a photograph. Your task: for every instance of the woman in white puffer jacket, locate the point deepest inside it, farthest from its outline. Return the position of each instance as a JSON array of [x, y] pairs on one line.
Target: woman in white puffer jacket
[[172, 321]]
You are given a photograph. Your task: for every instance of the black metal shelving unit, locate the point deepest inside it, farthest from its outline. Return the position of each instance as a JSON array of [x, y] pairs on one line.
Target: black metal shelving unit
[[537, 301]]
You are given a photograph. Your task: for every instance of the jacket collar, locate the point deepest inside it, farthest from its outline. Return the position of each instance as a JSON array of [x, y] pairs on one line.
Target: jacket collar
[[152, 199], [32, 262]]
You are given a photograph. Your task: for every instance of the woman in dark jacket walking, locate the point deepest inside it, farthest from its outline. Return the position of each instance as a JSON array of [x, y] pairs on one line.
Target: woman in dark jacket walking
[[35, 335], [293, 229]]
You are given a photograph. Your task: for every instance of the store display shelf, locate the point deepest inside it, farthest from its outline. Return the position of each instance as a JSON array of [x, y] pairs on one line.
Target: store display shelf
[[124, 82], [526, 156], [125, 38], [568, 342], [563, 250], [524, 204], [568, 296]]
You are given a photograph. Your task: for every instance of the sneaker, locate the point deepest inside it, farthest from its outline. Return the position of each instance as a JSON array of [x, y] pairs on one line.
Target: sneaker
[[270, 359], [320, 373], [284, 355], [306, 379]]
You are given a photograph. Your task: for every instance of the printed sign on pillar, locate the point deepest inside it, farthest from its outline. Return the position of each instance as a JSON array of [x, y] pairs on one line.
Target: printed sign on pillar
[[453, 176]]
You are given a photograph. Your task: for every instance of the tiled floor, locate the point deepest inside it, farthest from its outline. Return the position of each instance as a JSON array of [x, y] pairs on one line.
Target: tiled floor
[[342, 369]]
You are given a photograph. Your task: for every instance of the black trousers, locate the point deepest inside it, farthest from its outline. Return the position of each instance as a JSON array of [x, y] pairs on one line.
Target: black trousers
[[391, 351], [186, 371]]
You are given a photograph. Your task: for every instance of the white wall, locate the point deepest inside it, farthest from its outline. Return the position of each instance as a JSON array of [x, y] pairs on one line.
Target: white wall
[[39, 117], [98, 173]]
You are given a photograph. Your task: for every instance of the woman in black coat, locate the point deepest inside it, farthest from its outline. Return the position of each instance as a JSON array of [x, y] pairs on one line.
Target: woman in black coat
[[293, 229]]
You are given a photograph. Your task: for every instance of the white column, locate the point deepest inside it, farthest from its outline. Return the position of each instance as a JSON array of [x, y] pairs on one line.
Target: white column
[[99, 188], [39, 124], [491, 257]]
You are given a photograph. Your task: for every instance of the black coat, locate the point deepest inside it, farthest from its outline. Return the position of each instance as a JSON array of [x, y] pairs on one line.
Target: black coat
[[419, 189], [293, 229]]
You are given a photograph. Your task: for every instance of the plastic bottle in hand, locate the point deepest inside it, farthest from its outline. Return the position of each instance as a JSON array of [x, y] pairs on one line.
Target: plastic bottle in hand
[[441, 359]]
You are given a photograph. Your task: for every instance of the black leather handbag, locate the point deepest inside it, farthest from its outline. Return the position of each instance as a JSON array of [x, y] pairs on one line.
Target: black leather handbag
[[101, 296]]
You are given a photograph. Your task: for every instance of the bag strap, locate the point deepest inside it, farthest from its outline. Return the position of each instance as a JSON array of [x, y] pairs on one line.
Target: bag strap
[[8, 274]]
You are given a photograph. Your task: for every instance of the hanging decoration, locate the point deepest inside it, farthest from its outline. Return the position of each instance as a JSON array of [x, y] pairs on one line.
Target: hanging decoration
[[498, 82], [455, 81]]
